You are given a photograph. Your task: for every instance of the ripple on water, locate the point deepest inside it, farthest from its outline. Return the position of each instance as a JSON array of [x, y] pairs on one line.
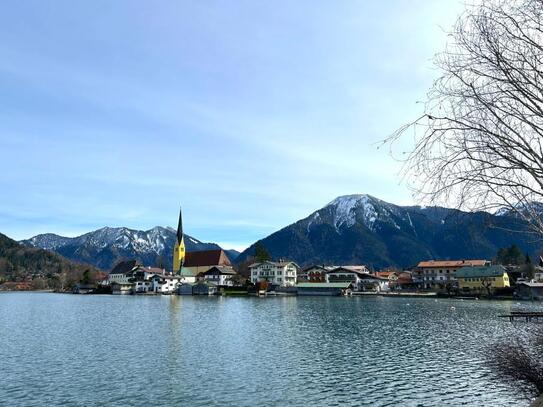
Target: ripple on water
[[141, 351]]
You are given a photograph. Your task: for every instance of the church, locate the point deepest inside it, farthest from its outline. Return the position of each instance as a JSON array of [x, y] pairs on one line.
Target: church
[[187, 275]]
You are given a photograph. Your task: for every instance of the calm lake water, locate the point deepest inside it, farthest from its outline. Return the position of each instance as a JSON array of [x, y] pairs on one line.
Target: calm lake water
[[60, 349]]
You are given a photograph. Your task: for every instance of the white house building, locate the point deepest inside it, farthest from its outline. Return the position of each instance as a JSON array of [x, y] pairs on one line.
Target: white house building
[[356, 275], [219, 275], [122, 272], [282, 273], [166, 284]]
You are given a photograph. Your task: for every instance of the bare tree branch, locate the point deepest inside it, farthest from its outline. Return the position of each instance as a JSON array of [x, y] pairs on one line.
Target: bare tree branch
[[479, 146]]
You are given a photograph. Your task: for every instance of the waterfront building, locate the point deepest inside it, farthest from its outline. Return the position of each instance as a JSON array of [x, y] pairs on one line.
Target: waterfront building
[[122, 288], [482, 278], [370, 282], [121, 273], [526, 290], [438, 274], [185, 289], [281, 273], [358, 276], [166, 284], [201, 261], [204, 287], [328, 289], [314, 273], [397, 279], [144, 273], [219, 275]]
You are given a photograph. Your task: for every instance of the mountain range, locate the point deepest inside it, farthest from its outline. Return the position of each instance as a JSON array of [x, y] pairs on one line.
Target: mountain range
[[352, 229], [104, 247], [361, 229]]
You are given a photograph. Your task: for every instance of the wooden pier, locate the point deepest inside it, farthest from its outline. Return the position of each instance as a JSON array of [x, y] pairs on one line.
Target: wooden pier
[[528, 316]]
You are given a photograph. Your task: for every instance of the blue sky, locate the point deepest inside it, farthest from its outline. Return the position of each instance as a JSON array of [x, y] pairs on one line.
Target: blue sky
[[249, 114]]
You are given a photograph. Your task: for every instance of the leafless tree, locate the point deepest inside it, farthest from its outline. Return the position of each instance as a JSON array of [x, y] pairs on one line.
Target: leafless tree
[[478, 146], [518, 361]]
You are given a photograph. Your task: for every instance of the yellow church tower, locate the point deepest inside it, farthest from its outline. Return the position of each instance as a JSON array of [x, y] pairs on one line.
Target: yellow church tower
[[179, 247]]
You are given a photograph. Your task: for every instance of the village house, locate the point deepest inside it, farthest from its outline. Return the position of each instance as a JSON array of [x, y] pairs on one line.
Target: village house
[[204, 287], [440, 274], [529, 291], [397, 280], [281, 273], [482, 279], [315, 274], [358, 276], [121, 273], [219, 275], [201, 261], [166, 284]]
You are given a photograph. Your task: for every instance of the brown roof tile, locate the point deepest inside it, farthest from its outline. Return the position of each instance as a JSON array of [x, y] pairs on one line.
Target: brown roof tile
[[206, 258]]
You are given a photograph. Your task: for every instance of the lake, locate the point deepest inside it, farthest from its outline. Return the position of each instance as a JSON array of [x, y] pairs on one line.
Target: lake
[[62, 349]]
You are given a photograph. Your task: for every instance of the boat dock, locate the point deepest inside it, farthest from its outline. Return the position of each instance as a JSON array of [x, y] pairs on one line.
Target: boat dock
[[528, 316]]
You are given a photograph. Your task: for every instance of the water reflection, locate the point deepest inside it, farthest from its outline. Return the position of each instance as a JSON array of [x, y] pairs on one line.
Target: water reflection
[[88, 350]]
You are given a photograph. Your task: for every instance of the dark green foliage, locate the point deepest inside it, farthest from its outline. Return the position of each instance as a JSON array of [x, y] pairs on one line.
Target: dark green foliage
[[41, 269], [511, 256], [261, 253]]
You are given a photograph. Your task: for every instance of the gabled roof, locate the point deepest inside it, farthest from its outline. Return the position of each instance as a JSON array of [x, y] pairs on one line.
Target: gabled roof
[[124, 267], [347, 269], [452, 263], [219, 270], [385, 274], [152, 270], [320, 267], [206, 258], [473, 272]]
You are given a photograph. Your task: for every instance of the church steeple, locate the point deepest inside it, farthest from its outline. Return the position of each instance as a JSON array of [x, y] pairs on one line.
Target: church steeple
[[179, 247], [180, 227]]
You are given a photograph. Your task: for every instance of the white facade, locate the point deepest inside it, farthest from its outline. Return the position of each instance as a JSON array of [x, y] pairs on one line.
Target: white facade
[[168, 284], [356, 275], [220, 276], [282, 273], [121, 278], [219, 279]]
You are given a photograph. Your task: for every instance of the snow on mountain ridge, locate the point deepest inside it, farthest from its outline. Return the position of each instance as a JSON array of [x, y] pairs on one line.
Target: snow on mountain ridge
[[346, 209]]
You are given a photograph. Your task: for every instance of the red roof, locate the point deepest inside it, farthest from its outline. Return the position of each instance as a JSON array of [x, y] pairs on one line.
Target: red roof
[[452, 263], [206, 258]]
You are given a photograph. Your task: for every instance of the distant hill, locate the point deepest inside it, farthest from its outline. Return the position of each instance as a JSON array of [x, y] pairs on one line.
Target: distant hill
[[39, 268], [105, 247], [357, 229]]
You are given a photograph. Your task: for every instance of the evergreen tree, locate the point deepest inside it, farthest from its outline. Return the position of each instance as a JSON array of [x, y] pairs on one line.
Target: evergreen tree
[[261, 253]]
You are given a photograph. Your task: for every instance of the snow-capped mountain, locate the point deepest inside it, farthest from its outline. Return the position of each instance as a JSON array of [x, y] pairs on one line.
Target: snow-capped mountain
[[363, 229], [105, 246]]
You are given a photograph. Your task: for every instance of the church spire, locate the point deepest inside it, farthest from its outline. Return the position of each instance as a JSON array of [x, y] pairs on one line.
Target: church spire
[[179, 247], [180, 227]]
